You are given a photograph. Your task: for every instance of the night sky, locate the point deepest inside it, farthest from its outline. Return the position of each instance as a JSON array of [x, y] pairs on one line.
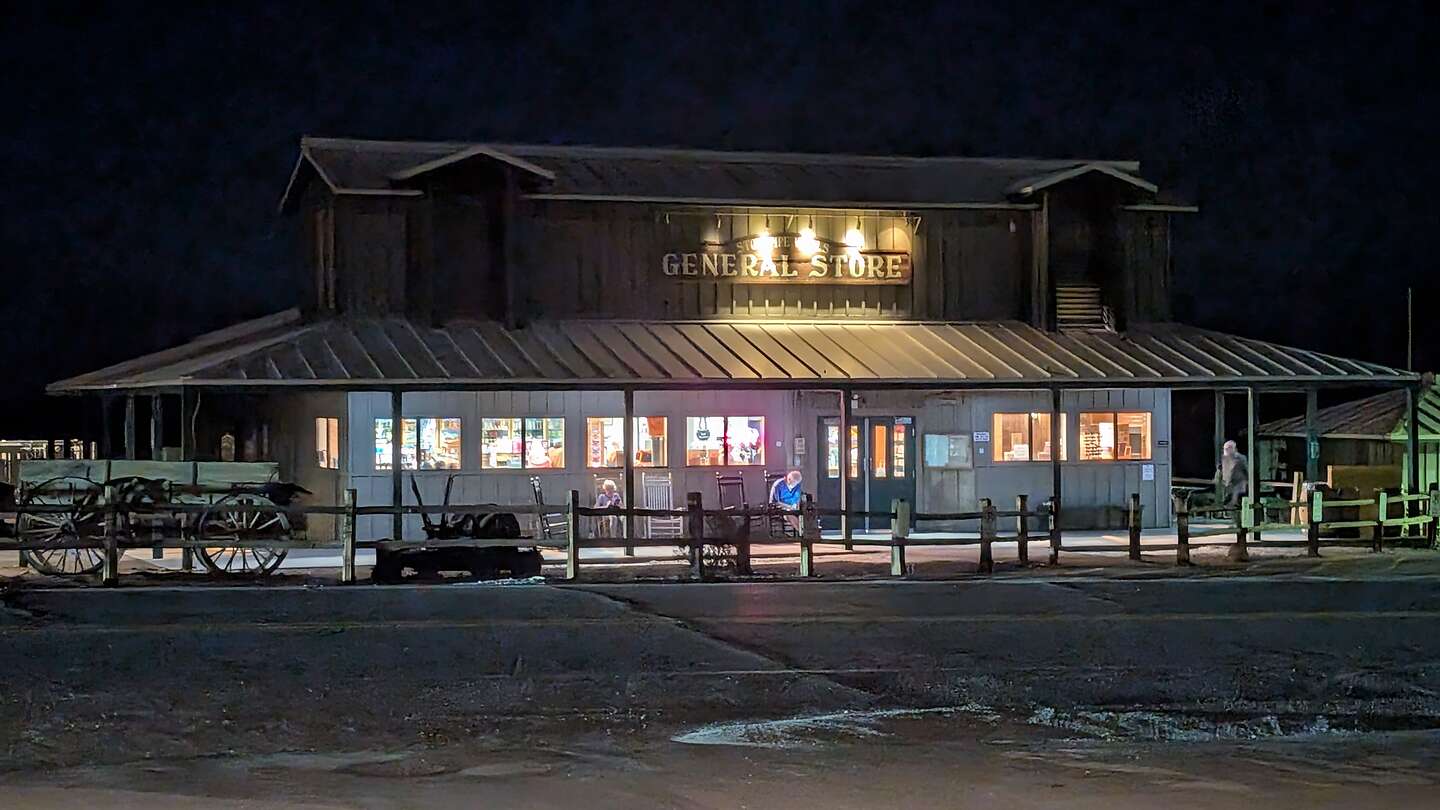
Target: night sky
[[145, 149]]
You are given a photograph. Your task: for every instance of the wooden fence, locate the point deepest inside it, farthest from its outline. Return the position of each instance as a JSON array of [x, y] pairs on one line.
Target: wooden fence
[[170, 525]]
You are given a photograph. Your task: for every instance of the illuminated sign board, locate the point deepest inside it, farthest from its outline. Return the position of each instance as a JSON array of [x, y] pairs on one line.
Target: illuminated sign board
[[789, 258]]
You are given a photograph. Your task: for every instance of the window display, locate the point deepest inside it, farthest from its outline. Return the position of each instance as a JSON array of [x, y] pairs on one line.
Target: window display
[[1114, 436], [605, 441], [1024, 437], [734, 441]]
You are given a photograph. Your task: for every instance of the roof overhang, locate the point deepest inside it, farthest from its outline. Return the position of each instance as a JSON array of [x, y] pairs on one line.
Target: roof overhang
[[1034, 184], [282, 353], [477, 152]]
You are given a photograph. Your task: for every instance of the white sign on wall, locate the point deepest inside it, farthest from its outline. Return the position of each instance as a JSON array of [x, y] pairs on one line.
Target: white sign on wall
[[982, 436], [1147, 472]]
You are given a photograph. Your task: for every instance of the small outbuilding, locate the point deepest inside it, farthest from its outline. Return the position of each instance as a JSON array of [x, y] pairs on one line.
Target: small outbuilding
[[1369, 432]]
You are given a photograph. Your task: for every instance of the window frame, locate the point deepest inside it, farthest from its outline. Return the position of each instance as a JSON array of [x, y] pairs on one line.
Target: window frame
[[725, 445], [1114, 418], [653, 463], [1031, 418], [525, 423], [327, 427], [408, 422]]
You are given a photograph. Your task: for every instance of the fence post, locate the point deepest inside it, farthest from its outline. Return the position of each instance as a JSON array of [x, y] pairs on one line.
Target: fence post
[[1022, 529], [742, 543], [1382, 511], [899, 533], [1135, 526], [110, 573], [1243, 515], [572, 535], [347, 538], [1257, 518], [23, 556], [1317, 516], [987, 536], [1432, 533], [809, 529], [1054, 530], [696, 520], [1182, 530]]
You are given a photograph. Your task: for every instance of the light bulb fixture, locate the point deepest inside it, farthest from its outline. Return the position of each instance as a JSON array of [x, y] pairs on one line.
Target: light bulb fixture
[[807, 244], [854, 239], [765, 244]]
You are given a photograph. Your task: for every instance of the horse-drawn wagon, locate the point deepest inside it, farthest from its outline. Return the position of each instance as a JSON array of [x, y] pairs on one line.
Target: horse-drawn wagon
[[234, 512]]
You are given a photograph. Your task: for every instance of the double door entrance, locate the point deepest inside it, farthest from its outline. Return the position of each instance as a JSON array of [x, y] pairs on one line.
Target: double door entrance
[[883, 466]]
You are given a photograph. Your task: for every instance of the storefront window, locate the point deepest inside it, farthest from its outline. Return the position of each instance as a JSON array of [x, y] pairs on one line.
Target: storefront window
[[438, 446], [854, 451], [501, 444], [1024, 437], [734, 441], [327, 442], [1114, 436], [605, 441], [545, 443], [832, 450]]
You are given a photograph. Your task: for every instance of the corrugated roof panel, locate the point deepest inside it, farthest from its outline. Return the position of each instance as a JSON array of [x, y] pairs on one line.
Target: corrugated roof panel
[[716, 351], [671, 338], [778, 351], [361, 352], [814, 359]]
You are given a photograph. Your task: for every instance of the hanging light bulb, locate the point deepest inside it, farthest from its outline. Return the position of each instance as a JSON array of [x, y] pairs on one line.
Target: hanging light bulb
[[855, 238], [807, 244], [765, 244]]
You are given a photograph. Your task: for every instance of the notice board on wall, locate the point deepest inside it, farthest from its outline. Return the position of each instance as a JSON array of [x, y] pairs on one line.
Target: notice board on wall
[[948, 451]]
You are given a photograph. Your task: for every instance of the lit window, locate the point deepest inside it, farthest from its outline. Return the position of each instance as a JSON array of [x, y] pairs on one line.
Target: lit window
[[854, 451], [734, 441], [898, 470], [1024, 437], [438, 446], [501, 444], [832, 450], [605, 441], [545, 443], [879, 450], [1112, 436], [327, 442]]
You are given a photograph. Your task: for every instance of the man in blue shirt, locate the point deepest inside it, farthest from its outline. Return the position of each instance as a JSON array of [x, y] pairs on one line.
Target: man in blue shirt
[[785, 494]]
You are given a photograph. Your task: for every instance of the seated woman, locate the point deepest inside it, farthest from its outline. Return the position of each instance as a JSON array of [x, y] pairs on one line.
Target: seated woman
[[608, 498]]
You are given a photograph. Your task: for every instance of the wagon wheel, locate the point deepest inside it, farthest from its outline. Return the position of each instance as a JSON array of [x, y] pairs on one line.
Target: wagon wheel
[[80, 521], [222, 522]]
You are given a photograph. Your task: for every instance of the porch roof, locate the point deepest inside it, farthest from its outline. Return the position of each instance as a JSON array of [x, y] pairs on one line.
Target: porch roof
[[1380, 417], [286, 351]]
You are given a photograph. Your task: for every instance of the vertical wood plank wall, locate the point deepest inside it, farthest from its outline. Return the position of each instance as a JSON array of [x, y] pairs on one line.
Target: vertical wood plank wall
[[1091, 488]]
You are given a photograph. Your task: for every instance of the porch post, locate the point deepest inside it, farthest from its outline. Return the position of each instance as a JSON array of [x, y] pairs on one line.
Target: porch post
[[1219, 443], [1055, 449], [397, 438], [846, 417], [157, 426], [628, 441], [1250, 427], [187, 435], [1412, 441], [130, 427], [106, 443], [1312, 436]]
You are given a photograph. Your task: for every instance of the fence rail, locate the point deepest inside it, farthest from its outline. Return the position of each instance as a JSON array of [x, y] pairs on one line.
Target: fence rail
[[120, 526]]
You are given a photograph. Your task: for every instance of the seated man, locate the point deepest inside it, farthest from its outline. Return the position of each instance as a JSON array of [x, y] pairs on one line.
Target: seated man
[[785, 494]]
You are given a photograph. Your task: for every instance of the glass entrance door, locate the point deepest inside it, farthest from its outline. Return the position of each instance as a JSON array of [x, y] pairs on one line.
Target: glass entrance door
[[882, 466]]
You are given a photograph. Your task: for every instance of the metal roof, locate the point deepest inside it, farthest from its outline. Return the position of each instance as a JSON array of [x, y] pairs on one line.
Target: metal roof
[[682, 176], [1381, 416], [284, 351]]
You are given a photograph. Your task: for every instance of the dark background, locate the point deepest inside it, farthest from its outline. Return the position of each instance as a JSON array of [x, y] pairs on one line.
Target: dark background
[[146, 147]]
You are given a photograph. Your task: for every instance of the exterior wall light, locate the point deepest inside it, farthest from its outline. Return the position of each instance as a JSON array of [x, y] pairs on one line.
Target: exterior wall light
[[807, 243]]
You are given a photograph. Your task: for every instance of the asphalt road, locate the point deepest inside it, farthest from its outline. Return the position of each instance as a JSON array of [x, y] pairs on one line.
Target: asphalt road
[[113, 688]]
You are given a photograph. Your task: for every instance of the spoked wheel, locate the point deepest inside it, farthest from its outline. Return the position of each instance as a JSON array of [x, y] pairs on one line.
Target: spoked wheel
[[77, 522], [224, 522]]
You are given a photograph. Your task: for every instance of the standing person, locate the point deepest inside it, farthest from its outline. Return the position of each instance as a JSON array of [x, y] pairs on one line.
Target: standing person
[[1234, 474], [785, 495]]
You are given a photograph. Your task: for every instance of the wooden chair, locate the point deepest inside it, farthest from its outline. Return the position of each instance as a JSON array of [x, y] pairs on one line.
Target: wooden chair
[[553, 525], [730, 490], [659, 493]]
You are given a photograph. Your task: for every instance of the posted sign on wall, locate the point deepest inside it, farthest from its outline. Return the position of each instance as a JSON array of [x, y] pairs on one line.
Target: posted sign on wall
[[788, 259]]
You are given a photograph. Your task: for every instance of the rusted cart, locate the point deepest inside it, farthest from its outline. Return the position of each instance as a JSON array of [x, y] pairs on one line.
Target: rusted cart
[[233, 512]]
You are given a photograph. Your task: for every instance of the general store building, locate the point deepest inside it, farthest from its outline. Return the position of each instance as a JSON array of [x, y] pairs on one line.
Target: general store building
[[979, 328]]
